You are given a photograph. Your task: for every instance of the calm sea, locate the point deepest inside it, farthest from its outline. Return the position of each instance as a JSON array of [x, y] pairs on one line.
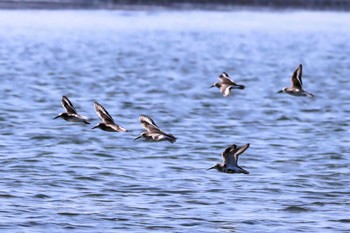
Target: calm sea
[[58, 176]]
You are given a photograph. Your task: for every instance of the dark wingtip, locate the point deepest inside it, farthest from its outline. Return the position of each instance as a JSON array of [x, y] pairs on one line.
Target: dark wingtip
[[171, 140]]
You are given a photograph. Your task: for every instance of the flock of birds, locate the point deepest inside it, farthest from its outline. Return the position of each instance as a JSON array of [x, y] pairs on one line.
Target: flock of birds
[[153, 133]]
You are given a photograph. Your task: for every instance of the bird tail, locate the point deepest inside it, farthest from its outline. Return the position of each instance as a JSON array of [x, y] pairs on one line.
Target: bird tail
[[171, 138], [239, 86]]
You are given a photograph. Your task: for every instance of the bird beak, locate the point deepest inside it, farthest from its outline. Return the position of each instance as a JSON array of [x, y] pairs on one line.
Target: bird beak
[[211, 168], [94, 127], [138, 137], [212, 86], [280, 91], [56, 117]]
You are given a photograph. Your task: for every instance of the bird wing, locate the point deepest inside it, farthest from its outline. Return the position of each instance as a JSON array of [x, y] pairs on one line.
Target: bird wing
[[148, 123], [227, 152], [103, 114], [296, 77], [231, 154], [153, 129], [240, 151], [117, 127], [225, 79], [67, 105], [225, 89]]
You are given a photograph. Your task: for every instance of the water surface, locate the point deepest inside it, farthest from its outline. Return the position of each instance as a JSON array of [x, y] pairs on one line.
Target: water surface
[[58, 176]]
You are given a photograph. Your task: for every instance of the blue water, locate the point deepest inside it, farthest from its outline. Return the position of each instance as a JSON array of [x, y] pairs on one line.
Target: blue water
[[58, 176]]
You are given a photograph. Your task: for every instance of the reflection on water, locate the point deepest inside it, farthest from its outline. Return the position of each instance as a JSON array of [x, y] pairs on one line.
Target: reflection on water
[[64, 176]]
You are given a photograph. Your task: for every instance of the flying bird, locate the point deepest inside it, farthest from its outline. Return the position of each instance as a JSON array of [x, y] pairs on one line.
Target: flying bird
[[230, 156], [296, 88], [152, 132], [71, 114], [226, 84], [107, 123]]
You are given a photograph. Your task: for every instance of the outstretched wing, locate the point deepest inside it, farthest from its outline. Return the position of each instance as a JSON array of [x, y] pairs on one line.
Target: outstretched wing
[[225, 89], [240, 151], [152, 129], [67, 105], [231, 154], [227, 151], [148, 123], [296, 77], [225, 79], [103, 114]]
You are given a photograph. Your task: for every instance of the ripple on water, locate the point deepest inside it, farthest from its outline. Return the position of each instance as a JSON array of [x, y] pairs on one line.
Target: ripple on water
[[296, 209]]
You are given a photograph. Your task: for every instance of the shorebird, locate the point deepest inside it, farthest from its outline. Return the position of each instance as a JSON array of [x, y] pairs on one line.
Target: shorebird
[[226, 84], [152, 131], [296, 84], [230, 156], [70, 114], [107, 123]]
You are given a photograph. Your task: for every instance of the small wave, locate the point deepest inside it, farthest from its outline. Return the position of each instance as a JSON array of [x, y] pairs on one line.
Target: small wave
[[343, 220], [5, 196], [296, 209], [87, 178], [68, 213], [40, 195]]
